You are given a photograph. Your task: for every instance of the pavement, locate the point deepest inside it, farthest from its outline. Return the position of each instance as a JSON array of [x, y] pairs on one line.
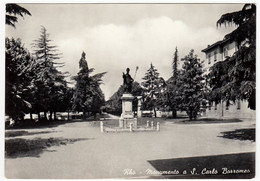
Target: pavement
[[122, 155]]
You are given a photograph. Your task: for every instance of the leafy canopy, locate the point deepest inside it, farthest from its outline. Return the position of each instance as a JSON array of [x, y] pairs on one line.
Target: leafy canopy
[[191, 83], [153, 86], [234, 78], [87, 97], [12, 10]]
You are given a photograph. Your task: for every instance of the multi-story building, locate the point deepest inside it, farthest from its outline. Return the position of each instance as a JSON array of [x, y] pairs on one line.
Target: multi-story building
[[216, 52]]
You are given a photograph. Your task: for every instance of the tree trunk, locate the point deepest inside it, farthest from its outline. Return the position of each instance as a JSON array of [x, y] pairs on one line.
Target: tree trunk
[[174, 113], [155, 115], [84, 115], [51, 115], [195, 117], [68, 115], [190, 116], [39, 116], [45, 115], [55, 116], [31, 117]]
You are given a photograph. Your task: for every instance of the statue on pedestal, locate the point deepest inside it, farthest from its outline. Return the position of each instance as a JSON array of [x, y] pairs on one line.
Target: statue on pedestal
[[127, 117], [128, 80]]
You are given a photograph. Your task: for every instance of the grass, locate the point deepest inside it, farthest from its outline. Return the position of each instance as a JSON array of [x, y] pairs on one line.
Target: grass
[[240, 161], [15, 148]]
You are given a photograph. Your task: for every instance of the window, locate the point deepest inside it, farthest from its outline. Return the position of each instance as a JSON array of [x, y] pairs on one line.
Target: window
[[238, 105], [215, 56], [225, 50]]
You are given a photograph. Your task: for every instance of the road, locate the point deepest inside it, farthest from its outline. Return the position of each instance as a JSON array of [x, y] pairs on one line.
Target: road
[[122, 155]]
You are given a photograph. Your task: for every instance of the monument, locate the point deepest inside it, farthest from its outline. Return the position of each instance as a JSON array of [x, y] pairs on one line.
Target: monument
[[127, 118]]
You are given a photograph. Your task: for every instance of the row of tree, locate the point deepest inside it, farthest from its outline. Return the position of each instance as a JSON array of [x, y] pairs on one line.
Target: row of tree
[[185, 90], [34, 83]]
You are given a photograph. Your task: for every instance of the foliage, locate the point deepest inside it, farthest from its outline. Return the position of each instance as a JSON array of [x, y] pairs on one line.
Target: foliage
[[33, 83], [234, 78], [19, 73], [153, 86], [168, 99], [191, 85], [50, 83], [12, 10], [175, 64], [87, 96]]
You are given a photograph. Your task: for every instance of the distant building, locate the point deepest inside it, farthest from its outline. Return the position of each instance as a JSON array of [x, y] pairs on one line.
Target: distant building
[[216, 52]]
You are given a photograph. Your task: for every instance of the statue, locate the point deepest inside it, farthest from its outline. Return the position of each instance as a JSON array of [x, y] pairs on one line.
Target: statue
[[128, 80]]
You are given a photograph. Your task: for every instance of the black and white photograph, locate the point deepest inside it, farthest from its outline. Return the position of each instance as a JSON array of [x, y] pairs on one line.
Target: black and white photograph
[[129, 90]]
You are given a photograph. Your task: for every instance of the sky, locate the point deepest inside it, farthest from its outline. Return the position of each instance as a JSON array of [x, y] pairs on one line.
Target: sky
[[117, 36]]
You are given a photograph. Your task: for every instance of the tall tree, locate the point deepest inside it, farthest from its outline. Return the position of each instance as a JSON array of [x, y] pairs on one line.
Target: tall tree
[[152, 88], [50, 82], [19, 75], [191, 85], [12, 10], [87, 96], [172, 88], [168, 99], [175, 64], [234, 78]]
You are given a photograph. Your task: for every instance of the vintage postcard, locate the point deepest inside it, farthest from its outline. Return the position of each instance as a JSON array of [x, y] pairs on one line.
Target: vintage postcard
[[130, 90]]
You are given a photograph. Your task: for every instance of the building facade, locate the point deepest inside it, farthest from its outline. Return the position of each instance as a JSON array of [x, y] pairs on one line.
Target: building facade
[[214, 53]]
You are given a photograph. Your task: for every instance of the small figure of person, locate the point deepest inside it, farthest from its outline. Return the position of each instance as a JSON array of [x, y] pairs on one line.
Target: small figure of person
[[128, 80]]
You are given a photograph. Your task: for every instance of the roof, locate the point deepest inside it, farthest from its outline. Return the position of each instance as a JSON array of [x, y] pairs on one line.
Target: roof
[[214, 45]]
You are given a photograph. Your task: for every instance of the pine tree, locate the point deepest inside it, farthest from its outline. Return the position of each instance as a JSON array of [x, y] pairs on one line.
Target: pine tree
[[172, 88], [87, 96], [50, 82], [12, 10], [152, 86], [168, 99], [175, 64], [191, 85], [234, 78]]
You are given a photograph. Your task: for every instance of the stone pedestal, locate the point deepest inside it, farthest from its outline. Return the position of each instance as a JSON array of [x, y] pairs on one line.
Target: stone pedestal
[[127, 116]]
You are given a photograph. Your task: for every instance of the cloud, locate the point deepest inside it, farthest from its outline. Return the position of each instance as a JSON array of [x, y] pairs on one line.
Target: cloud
[[117, 36], [113, 48]]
